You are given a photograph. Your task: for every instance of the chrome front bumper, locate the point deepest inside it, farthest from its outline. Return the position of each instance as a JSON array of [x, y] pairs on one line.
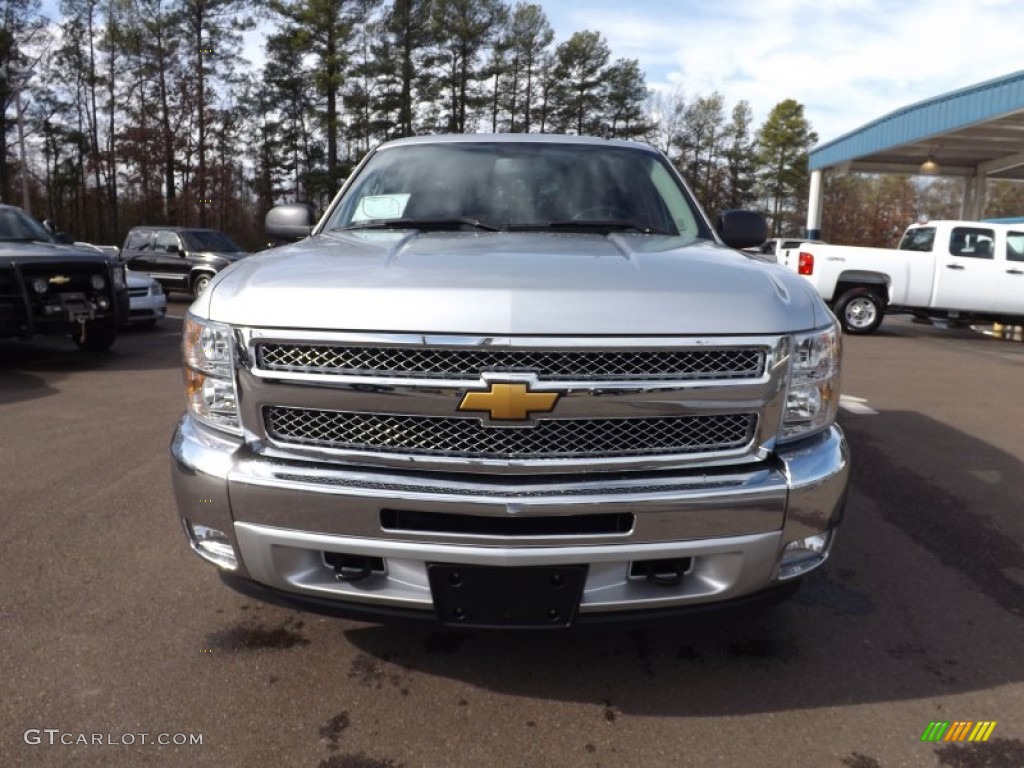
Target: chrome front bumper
[[732, 525]]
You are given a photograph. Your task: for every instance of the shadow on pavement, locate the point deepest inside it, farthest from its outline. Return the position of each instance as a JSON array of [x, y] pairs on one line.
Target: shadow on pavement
[[29, 369], [922, 599]]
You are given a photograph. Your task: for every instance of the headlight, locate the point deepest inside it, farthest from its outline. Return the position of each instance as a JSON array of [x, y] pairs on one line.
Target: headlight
[[98, 282], [813, 396], [209, 373], [39, 285], [155, 289]]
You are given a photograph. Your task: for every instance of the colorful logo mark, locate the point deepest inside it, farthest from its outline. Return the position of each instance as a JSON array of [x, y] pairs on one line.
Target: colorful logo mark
[[509, 402], [959, 730]]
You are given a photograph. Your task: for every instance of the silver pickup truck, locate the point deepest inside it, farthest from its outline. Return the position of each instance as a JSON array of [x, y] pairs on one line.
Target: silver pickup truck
[[511, 381]]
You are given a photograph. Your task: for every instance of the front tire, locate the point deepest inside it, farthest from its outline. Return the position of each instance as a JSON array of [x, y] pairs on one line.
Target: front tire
[[860, 311]]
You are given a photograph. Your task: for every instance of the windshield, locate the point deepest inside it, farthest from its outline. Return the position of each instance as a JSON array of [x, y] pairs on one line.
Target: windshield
[[209, 240], [525, 186], [918, 239], [16, 225]]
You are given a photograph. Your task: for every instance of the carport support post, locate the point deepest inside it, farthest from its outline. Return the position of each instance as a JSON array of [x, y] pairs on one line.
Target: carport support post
[[815, 203], [974, 198]]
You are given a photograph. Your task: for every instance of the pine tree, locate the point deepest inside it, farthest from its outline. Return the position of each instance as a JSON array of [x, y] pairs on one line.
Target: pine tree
[[783, 143], [212, 30], [21, 28], [324, 29], [462, 31], [405, 59], [740, 159], [625, 97], [579, 90], [702, 144]]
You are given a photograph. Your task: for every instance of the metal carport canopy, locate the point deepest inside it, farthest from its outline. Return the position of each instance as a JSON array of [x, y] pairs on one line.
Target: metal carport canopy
[[975, 132]]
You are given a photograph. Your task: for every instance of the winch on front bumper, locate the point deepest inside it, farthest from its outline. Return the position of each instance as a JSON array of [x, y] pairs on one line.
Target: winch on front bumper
[[56, 296]]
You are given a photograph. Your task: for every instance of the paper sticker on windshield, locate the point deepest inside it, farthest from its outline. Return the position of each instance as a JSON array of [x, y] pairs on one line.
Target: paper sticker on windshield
[[381, 207]]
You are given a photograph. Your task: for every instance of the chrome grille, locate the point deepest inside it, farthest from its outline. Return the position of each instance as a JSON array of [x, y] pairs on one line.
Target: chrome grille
[[551, 365], [547, 439]]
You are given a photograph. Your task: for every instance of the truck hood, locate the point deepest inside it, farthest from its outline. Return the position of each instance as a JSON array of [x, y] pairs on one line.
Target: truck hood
[[511, 283], [37, 249]]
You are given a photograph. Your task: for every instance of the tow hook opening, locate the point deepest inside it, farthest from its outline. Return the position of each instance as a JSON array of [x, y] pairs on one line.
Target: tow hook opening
[[348, 567], [665, 573]]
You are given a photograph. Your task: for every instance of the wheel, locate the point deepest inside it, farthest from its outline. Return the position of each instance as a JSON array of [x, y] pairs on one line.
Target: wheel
[[95, 336], [200, 283], [860, 311]]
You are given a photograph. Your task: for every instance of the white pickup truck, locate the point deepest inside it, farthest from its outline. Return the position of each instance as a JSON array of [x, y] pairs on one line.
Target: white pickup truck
[[964, 270]]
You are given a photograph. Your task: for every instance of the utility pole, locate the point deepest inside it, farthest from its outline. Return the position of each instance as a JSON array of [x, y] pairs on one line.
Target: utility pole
[[20, 115], [20, 119]]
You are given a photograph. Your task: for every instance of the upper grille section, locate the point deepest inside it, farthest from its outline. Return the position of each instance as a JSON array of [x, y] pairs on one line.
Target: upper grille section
[[550, 365], [72, 278], [548, 439]]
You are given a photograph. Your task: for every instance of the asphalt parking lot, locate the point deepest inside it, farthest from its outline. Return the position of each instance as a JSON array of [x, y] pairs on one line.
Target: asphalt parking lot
[[120, 647]]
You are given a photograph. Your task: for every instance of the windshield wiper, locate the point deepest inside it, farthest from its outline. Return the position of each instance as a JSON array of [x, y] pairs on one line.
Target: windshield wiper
[[590, 225], [451, 222]]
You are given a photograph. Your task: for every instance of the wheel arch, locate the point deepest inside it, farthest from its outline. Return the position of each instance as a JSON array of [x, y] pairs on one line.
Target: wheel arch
[[878, 283]]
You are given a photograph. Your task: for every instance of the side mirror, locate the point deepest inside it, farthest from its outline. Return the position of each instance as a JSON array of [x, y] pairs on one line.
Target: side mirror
[[172, 248], [64, 238], [742, 229], [291, 221]]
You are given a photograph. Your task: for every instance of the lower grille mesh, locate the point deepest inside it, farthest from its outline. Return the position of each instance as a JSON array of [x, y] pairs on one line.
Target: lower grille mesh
[[547, 439]]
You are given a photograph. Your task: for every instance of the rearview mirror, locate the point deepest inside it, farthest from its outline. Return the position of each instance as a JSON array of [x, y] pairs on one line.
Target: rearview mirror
[[742, 229], [291, 221]]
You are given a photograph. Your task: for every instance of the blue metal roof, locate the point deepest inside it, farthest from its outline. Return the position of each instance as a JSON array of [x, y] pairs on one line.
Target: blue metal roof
[[932, 117]]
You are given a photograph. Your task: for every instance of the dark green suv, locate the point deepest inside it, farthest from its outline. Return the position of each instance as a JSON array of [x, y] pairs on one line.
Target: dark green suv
[[181, 259], [54, 289]]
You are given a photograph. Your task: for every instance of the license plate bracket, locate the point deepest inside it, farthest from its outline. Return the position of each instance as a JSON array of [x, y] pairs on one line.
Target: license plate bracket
[[506, 596]]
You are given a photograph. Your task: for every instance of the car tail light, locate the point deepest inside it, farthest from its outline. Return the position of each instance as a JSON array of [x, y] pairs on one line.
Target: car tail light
[[805, 265]]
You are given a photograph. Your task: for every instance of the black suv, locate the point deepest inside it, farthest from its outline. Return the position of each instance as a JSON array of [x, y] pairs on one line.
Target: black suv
[[179, 258], [48, 288]]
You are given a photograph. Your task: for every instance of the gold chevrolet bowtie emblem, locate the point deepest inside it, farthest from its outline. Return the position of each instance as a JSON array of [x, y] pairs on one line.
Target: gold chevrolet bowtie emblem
[[60, 280], [509, 402]]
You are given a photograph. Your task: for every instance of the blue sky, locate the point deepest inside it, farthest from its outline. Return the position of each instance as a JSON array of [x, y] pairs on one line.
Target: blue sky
[[847, 61]]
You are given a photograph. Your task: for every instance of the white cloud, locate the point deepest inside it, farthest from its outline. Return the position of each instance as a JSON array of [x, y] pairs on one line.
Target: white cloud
[[848, 61]]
